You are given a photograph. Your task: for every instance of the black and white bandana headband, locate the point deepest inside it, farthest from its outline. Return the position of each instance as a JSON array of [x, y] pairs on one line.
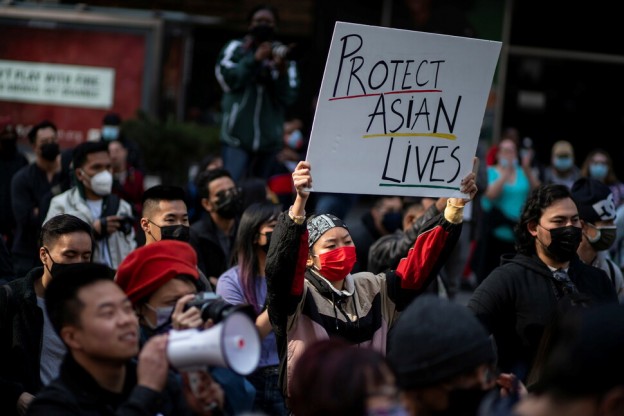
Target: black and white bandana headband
[[319, 224]]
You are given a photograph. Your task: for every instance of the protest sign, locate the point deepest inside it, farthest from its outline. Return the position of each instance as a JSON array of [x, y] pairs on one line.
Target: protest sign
[[399, 112]]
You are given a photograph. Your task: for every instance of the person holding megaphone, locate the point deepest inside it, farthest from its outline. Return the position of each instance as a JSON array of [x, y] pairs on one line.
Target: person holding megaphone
[[161, 281], [100, 374]]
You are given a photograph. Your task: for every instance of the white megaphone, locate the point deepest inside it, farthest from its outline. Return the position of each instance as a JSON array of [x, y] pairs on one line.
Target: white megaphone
[[233, 343]]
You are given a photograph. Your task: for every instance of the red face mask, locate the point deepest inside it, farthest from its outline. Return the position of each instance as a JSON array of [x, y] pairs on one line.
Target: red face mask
[[337, 263]]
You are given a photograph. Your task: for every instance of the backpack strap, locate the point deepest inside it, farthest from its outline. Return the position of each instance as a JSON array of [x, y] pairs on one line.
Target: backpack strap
[[110, 206]]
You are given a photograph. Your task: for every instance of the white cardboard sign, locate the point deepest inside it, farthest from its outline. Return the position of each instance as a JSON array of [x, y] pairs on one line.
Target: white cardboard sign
[[399, 111]]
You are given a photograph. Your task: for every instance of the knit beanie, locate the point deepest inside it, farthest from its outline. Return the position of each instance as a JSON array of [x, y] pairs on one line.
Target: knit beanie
[[147, 268], [320, 224], [594, 200], [435, 339]]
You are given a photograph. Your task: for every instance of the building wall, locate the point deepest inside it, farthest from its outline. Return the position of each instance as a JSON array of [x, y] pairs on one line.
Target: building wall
[[296, 16]]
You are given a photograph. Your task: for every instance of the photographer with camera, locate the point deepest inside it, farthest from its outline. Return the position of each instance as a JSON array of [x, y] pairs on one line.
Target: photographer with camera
[[90, 199], [259, 82], [161, 280]]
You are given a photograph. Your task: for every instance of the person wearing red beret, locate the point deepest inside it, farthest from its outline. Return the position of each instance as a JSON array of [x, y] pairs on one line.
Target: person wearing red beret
[[160, 278]]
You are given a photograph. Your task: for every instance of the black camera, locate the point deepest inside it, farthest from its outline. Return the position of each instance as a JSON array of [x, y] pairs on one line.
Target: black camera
[[212, 306], [126, 224]]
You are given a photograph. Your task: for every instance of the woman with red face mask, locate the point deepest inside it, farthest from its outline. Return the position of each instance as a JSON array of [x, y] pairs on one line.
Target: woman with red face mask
[[312, 294]]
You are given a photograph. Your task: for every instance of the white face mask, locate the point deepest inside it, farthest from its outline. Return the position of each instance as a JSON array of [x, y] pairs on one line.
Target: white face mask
[[163, 317], [101, 183]]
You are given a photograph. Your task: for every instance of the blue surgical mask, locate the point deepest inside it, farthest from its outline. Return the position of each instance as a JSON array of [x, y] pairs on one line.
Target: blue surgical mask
[[505, 163], [563, 163], [598, 171], [295, 140], [110, 133]]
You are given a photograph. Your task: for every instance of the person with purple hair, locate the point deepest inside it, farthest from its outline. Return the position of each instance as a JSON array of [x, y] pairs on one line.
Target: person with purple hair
[[245, 283]]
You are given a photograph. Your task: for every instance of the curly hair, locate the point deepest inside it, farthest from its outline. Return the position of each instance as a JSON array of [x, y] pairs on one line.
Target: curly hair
[[539, 199]]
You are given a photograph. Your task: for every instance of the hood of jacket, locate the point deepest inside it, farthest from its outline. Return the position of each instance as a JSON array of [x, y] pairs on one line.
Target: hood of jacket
[[533, 263]]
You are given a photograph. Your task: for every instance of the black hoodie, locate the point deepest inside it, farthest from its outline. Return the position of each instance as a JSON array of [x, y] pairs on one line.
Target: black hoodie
[[517, 300]]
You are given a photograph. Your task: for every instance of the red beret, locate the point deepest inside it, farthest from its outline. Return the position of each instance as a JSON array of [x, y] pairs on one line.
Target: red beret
[[147, 268]]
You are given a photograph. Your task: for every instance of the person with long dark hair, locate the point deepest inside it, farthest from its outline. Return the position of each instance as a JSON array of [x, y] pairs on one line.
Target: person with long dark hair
[[245, 283]]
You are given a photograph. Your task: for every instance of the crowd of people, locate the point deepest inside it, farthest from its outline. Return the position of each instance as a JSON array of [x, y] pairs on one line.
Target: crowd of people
[[353, 316]]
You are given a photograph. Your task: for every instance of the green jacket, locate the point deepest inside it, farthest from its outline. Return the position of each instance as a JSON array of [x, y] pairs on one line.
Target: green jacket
[[255, 98]]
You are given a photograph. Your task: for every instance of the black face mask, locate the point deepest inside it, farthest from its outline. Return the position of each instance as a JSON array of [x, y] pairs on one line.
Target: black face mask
[[56, 267], [49, 151], [604, 239], [392, 221], [174, 232], [564, 241], [229, 204], [463, 402], [268, 241], [262, 33]]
